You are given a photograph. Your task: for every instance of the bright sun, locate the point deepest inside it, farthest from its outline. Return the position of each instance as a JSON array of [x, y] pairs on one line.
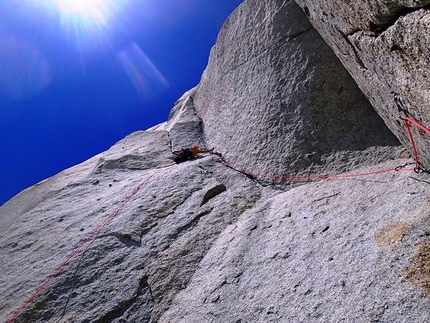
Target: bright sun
[[90, 11], [85, 21]]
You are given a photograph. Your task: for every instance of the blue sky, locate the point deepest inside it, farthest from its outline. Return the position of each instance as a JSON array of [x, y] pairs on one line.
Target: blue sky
[[76, 76]]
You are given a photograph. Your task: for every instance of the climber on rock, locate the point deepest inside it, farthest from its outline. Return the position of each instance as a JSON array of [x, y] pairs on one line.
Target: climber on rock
[[189, 153]]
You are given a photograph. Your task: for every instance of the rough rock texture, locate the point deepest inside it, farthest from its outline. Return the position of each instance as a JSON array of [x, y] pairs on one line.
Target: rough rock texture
[[322, 252], [274, 97], [136, 264], [201, 242], [184, 126], [384, 44]]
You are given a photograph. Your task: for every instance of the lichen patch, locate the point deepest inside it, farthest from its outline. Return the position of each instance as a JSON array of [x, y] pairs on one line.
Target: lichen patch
[[391, 233], [419, 270]]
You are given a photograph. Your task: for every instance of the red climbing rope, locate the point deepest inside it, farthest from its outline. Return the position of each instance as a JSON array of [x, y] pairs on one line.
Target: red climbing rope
[[91, 235], [419, 125], [339, 176], [408, 120], [411, 138]]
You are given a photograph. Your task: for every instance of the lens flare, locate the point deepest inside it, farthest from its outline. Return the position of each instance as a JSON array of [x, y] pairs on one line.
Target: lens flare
[[145, 77], [24, 71]]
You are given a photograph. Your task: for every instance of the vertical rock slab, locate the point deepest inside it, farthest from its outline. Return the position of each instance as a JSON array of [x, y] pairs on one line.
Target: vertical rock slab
[[184, 126], [275, 99], [384, 44]]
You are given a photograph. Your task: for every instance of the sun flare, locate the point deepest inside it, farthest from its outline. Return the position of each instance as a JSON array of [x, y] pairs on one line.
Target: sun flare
[[85, 22], [87, 11]]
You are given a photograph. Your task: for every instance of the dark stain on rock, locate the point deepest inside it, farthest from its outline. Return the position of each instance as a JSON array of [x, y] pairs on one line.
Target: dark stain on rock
[[325, 229], [211, 193]]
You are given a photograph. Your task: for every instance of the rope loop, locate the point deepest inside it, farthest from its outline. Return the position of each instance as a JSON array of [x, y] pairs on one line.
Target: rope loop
[[421, 169]]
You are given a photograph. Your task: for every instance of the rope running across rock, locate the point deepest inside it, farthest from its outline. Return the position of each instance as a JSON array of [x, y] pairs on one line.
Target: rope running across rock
[[418, 168]]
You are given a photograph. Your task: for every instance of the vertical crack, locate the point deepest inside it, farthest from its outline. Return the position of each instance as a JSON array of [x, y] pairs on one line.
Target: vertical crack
[[353, 48]]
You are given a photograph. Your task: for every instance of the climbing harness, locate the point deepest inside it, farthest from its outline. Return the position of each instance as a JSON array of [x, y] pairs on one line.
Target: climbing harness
[[184, 155]]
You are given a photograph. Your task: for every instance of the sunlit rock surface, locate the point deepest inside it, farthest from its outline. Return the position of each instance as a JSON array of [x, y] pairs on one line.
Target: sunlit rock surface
[[202, 242], [276, 99], [384, 44]]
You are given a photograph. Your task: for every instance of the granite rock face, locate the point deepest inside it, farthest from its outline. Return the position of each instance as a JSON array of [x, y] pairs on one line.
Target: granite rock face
[[134, 266], [130, 236], [185, 127], [322, 252], [384, 44], [274, 97], [200, 242]]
